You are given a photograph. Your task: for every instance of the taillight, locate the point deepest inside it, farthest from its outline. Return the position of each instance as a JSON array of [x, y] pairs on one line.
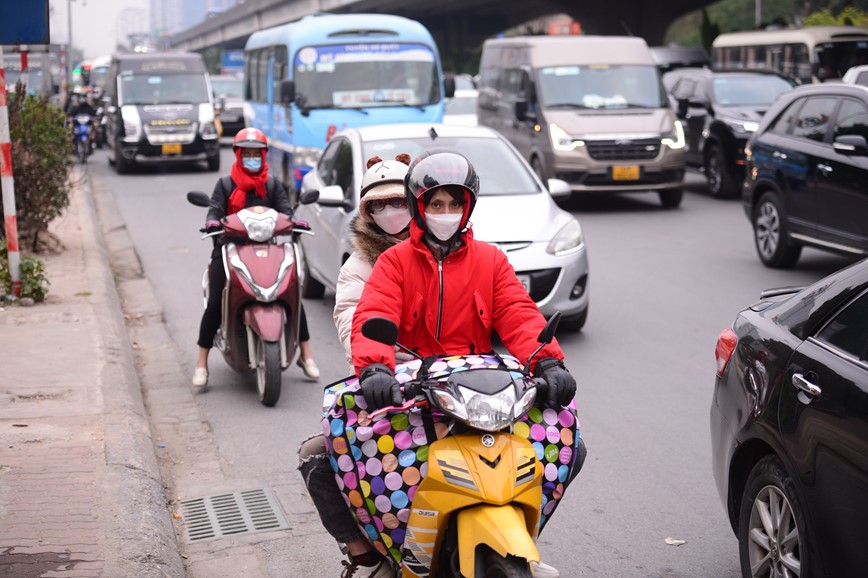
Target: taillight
[[725, 346]]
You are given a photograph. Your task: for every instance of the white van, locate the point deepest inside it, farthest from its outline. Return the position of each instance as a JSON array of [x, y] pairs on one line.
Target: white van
[[589, 110]]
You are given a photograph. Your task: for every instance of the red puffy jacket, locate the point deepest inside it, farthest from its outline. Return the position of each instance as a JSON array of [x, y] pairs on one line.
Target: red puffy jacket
[[450, 310]]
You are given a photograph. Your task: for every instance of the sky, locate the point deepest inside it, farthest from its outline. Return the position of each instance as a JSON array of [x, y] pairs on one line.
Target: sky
[[97, 25]]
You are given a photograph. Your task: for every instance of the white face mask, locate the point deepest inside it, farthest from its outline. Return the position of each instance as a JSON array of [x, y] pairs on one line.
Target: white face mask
[[443, 226], [392, 220]]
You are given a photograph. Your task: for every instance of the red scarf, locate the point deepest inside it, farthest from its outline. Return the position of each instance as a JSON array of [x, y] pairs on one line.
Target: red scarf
[[244, 181]]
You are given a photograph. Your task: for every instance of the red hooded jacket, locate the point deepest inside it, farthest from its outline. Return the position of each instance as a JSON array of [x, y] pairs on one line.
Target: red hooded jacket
[[450, 311]]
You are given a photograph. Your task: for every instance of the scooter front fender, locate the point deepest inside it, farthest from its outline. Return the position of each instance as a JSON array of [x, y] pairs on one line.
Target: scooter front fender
[[501, 528], [266, 320]]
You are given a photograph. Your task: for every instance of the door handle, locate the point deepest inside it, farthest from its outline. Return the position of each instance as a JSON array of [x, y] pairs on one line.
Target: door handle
[[804, 385], [779, 155], [824, 168]]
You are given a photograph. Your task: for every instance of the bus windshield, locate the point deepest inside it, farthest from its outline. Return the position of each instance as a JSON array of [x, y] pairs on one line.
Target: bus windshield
[[835, 58], [365, 75], [163, 89], [601, 86]]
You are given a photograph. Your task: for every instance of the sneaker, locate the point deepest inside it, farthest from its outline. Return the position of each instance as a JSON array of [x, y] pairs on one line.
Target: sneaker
[[310, 368], [543, 570], [381, 570], [200, 377]]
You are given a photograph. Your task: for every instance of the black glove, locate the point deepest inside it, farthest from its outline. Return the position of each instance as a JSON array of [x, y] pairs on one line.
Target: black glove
[[561, 385], [380, 387], [213, 226]]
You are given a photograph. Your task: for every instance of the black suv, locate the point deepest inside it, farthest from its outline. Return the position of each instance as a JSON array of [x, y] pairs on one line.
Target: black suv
[[807, 174], [720, 110]]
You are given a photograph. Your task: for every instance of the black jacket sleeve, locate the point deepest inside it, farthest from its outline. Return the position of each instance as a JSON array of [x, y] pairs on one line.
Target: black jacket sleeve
[[219, 202], [278, 197]]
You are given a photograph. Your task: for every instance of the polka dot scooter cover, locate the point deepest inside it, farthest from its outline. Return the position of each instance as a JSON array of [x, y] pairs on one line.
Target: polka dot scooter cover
[[379, 463]]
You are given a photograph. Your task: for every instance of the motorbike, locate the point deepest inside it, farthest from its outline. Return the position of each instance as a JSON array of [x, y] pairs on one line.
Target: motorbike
[[82, 136], [100, 122], [460, 479], [261, 300]]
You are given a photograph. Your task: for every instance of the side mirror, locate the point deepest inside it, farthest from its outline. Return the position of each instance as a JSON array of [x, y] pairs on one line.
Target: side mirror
[[198, 198], [521, 109], [287, 91], [851, 145], [449, 85], [546, 335], [559, 189], [308, 197], [331, 196], [381, 330]]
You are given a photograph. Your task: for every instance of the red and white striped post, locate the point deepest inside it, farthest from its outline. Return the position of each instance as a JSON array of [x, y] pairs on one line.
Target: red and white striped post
[[8, 184]]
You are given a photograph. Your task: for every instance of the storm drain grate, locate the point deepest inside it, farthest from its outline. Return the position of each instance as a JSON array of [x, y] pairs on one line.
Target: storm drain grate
[[222, 515]]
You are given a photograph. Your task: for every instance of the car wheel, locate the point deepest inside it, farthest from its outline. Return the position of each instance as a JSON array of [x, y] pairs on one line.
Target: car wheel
[[772, 539], [771, 235], [310, 287], [671, 198], [537, 167], [721, 181], [122, 165], [214, 162]]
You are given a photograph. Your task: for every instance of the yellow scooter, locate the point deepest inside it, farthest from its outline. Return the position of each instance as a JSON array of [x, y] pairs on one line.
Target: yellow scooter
[[477, 510]]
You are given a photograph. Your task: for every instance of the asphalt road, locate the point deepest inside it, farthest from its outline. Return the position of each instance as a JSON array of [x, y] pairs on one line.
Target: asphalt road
[[663, 284]]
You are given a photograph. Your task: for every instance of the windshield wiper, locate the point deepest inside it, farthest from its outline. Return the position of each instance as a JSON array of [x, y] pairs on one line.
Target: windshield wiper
[[567, 105], [418, 107], [305, 110]]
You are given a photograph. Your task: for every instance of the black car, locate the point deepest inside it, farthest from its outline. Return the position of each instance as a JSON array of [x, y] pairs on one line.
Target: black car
[[789, 429], [807, 174], [720, 110]]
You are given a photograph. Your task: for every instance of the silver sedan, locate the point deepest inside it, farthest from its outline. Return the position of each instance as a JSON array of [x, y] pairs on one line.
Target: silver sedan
[[515, 211]]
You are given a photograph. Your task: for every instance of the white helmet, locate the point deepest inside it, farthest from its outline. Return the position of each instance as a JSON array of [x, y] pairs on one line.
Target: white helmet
[[383, 172]]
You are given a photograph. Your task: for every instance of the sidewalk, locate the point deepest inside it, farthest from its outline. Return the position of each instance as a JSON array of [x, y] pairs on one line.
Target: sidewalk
[[80, 488]]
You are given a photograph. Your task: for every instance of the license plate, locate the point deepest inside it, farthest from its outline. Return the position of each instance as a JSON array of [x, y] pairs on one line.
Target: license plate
[[525, 282], [171, 149], [628, 173]]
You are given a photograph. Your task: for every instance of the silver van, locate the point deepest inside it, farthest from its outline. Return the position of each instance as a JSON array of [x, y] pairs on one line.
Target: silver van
[[589, 110]]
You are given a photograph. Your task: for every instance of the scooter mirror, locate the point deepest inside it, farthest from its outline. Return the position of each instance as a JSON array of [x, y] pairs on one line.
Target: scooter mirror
[[548, 332], [198, 198], [381, 330]]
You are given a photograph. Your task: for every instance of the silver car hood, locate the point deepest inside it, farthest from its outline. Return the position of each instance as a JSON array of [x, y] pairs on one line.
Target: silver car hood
[[607, 124], [516, 218]]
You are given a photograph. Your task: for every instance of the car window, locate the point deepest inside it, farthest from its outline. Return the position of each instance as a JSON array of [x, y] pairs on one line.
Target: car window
[[782, 124], [326, 165], [344, 168], [812, 122], [848, 331], [852, 119]]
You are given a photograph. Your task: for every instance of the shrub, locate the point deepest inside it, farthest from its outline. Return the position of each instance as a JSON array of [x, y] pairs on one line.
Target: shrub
[[40, 164], [34, 283]]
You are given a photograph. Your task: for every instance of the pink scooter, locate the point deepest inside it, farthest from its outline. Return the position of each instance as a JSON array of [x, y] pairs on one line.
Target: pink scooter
[[261, 301]]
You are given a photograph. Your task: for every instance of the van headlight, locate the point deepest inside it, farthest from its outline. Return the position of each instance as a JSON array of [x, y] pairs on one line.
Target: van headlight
[[132, 123], [568, 240], [562, 141], [207, 125], [675, 140]]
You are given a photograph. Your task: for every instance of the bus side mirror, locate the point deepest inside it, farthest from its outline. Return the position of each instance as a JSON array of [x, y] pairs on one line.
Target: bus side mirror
[[521, 109], [287, 91], [449, 84]]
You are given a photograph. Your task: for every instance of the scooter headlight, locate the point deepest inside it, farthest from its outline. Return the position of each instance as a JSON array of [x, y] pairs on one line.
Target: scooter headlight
[[482, 399]]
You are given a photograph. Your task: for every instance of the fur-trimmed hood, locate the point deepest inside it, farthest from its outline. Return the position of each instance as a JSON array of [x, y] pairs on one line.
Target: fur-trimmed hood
[[369, 240]]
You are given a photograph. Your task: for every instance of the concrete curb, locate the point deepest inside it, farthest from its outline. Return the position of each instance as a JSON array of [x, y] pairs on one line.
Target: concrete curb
[[145, 543]]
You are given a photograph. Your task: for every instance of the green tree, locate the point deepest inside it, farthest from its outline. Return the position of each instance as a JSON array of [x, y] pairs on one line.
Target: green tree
[[708, 31]]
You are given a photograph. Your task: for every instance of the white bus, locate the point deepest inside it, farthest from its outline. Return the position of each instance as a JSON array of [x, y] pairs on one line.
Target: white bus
[[812, 54]]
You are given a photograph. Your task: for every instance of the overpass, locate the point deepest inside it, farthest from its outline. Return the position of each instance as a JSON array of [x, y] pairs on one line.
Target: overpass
[[458, 26]]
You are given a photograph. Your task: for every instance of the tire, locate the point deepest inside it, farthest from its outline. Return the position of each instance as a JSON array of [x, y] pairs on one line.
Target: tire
[[214, 162], [122, 165], [771, 234], [772, 537], [537, 167], [721, 182], [671, 198], [268, 371], [81, 151], [574, 324], [310, 287], [496, 566]]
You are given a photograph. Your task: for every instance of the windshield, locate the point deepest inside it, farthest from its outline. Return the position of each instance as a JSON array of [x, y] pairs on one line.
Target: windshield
[[163, 89], [749, 90], [231, 87], [366, 75], [601, 86], [835, 58], [500, 170]]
